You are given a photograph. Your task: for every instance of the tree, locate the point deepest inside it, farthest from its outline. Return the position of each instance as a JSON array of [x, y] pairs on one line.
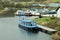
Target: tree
[[19, 5]]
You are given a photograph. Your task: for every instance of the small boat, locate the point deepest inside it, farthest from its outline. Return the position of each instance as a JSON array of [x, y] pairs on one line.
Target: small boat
[[28, 25]]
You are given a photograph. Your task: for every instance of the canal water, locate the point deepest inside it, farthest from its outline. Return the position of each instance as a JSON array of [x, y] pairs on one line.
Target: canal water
[[9, 30]]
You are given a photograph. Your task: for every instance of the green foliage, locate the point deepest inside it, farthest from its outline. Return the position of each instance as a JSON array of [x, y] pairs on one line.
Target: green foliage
[[55, 36], [1, 7], [8, 13], [19, 5], [51, 23], [42, 20], [55, 24]]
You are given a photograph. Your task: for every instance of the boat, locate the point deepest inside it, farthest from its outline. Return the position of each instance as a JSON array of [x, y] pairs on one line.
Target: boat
[[22, 13], [19, 12], [28, 25]]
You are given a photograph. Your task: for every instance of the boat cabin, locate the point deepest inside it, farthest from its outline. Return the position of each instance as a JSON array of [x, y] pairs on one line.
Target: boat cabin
[[28, 23]]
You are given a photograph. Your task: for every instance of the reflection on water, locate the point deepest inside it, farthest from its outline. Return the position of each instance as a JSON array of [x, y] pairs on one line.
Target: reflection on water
[[28, 32], [34, 36], [9, 30]]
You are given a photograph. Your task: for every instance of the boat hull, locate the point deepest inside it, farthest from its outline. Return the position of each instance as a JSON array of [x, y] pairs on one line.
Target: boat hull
[[34, 29]]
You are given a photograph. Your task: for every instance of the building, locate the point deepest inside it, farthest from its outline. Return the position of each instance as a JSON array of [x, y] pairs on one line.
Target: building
[[58, 12]]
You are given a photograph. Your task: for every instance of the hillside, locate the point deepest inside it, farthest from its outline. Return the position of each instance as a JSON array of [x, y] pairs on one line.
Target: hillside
[[51, 1], [43, 1]]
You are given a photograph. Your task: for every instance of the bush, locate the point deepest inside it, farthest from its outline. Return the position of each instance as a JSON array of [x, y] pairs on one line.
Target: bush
[[55, 36], [53, 17]]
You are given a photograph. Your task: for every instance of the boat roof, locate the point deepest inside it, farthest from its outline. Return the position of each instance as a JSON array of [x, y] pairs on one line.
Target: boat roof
[[23, 18], [27, 20]]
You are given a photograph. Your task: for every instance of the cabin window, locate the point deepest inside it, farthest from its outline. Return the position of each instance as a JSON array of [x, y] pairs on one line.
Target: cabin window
[[29, 24], [34, 22], [24, 23]]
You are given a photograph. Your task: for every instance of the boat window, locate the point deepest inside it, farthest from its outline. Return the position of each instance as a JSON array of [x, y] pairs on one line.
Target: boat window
[[29, 24], [24, 23], [34, 23]]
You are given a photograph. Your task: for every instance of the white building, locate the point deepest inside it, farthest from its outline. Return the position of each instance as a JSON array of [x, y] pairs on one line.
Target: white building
[[18, 12], [58, 12]]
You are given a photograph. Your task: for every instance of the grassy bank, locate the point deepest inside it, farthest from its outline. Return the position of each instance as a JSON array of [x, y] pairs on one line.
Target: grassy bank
[[50, 22], [43, 20]]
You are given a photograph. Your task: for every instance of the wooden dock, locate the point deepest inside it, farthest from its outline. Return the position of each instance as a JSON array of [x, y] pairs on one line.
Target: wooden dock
[[46, 29]]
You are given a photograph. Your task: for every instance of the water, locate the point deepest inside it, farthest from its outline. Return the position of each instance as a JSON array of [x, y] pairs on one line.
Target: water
[[9, 30]]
